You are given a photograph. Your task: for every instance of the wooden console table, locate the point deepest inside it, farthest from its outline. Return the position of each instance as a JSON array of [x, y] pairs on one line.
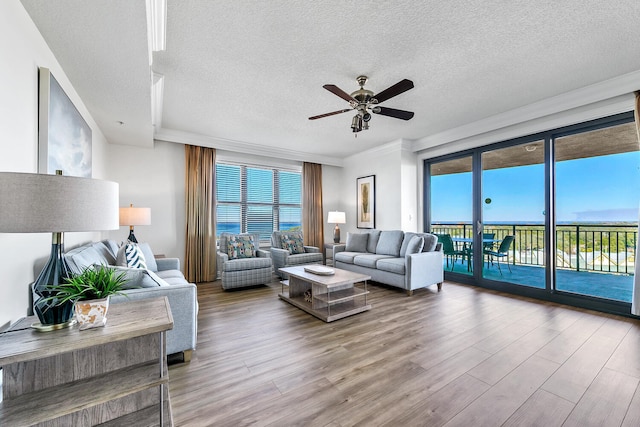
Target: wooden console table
[[115, 375]]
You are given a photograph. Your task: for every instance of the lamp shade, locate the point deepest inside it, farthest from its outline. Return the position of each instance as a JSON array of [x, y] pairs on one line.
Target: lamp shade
[[336, 218], [135, 216], [39, 203]]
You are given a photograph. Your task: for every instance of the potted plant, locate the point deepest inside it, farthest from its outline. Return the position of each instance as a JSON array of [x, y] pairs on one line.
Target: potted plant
[[90, 291]]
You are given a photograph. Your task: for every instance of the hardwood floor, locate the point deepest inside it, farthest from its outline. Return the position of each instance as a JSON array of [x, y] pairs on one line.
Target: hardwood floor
[[460, 357]]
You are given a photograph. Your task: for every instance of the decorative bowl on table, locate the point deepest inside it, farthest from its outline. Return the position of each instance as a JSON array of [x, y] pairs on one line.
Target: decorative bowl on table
[[319, 270]]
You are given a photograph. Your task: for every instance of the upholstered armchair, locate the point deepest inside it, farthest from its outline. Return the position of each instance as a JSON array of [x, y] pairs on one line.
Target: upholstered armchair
[[241, 262], [288, 250]]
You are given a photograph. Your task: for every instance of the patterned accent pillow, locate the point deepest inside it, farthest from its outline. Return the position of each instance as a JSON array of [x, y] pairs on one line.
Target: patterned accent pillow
[[241, 247], [292, 242], [130, 255]]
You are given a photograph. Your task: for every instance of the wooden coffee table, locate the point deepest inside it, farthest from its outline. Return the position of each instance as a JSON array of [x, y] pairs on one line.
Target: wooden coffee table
[[327, 297]]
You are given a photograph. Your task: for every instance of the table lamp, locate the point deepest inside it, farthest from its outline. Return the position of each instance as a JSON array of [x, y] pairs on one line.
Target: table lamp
[[336, 218], [39, 203], [134, 216]]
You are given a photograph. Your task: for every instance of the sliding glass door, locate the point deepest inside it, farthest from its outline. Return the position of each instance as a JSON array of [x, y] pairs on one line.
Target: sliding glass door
[[513, 214], [597, 177], [553, 215], [451, 211]]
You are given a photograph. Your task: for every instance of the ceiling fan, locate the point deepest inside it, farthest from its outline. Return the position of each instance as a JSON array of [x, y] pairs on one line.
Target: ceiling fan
[[365, 101]]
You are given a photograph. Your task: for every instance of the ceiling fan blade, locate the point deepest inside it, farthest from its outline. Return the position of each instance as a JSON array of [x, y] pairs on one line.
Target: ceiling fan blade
[[337, 91], [330, 114], [396, 89], [392, 112]]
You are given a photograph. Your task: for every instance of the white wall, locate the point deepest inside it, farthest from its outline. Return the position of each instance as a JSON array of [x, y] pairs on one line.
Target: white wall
[[152, 178], [332, 200], [23, 50], [409, 190], [394, 166]]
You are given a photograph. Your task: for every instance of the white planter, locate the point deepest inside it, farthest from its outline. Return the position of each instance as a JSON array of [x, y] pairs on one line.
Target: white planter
[[92, 313]]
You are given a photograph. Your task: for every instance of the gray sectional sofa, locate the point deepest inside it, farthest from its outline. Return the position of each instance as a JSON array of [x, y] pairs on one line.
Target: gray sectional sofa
[[162, 277], [405, 260]]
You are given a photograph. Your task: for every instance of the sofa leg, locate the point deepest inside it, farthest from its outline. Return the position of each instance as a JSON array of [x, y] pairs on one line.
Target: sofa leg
[[439, 286], [186, 356], [409, 293]]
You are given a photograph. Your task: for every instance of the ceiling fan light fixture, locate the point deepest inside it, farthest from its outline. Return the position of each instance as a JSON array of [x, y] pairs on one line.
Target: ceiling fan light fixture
[[365, 102], [356, 123]]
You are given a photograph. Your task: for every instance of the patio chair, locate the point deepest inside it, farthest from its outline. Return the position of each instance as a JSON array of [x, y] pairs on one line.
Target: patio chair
[[450, 251], [502, 252], [488, 245]]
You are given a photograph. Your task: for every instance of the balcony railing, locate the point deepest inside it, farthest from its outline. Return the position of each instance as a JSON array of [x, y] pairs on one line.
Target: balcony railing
[[606, 248]]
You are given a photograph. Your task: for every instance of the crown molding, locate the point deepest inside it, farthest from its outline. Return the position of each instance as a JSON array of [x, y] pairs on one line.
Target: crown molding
[[612, 88], [157, 99], [172, 135], [156, 25]]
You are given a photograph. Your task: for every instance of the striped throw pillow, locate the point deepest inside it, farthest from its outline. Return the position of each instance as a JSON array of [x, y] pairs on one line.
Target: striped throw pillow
[[130, 255]]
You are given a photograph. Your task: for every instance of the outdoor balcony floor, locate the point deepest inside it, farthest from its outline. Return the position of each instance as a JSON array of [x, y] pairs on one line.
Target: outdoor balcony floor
[[611, 286]]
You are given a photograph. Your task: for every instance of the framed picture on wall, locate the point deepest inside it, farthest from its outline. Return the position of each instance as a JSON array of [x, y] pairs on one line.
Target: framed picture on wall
[[366, 201], [64, 137]]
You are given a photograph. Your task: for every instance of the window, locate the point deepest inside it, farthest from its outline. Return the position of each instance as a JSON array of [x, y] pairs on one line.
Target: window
[[254, 199]]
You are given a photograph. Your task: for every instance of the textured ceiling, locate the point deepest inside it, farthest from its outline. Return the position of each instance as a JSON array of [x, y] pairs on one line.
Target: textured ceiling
[[248, 74], [102, 46]]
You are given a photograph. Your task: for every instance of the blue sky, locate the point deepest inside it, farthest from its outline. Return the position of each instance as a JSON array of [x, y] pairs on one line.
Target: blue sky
[[604, 188]]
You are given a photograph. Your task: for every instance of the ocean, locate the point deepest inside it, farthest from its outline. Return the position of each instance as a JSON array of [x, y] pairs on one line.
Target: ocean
[[261, 227]]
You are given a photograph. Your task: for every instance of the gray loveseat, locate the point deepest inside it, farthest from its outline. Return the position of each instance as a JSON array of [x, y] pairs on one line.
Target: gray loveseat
[[162, 277], [405, 260]]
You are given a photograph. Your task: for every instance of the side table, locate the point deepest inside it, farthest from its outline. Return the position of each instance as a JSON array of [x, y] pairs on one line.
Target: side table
[[113, 376], [331, 246]]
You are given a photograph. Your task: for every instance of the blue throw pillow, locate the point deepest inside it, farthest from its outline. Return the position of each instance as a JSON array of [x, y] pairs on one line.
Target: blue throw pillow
[[415, 245], [357, 242]]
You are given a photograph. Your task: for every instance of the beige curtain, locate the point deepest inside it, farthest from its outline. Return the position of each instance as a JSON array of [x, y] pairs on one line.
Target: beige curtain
[[200, 253], [312, 220], [635, 301]]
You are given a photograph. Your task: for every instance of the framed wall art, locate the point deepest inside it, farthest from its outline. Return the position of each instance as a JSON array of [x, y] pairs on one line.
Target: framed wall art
[[366, 201], [64, 137]]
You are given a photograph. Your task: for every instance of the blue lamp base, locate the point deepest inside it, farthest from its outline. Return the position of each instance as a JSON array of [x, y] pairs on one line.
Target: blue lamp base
[[54, 273]]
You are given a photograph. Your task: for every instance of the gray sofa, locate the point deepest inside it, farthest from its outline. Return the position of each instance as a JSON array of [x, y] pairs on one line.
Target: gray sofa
[[405, 260], [162, 277]]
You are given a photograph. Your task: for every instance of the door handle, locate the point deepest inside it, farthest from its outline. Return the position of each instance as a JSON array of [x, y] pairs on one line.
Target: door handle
[[479, 228]]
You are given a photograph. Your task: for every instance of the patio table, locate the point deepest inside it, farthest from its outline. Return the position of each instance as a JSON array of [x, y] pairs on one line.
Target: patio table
[[469, 241]]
